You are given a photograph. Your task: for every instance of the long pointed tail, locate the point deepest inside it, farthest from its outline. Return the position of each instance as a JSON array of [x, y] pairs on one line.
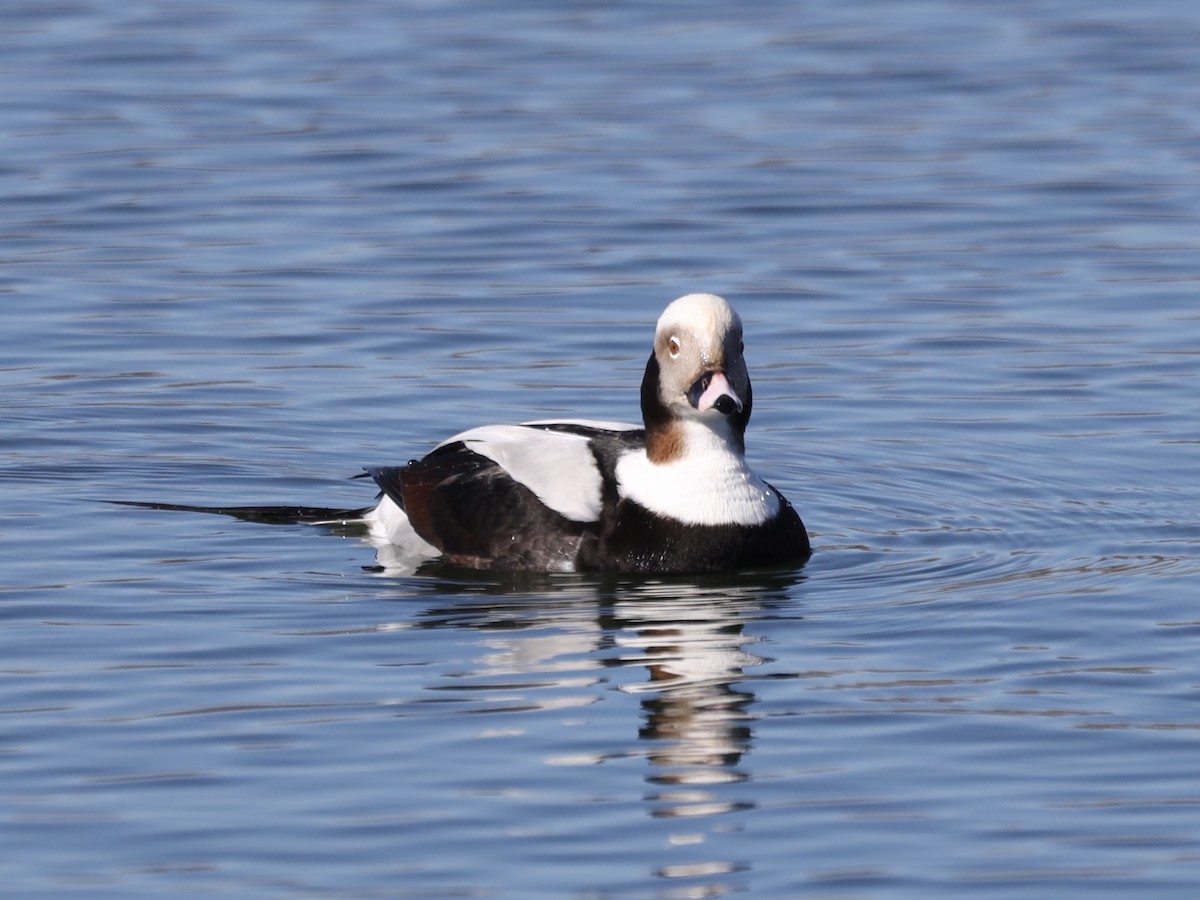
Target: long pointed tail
[[271, 515]]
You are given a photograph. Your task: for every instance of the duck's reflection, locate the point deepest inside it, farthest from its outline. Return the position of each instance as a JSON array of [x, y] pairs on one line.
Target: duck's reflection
[[686, 649], [688, 640], [695, 718]]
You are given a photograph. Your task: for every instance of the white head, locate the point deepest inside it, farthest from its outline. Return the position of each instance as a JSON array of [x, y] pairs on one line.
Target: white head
[[696, 373]]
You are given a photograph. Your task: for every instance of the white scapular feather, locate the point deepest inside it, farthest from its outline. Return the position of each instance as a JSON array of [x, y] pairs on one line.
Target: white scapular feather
[[557, 466]]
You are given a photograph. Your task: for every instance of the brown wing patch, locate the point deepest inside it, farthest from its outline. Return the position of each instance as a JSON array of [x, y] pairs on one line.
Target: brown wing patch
[[421, 479]]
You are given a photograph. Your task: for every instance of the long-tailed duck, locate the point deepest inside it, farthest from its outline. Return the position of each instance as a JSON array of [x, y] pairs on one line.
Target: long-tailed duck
[[672, 496]]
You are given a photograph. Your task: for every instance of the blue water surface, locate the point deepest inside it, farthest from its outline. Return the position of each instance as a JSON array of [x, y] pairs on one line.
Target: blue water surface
[[248, 248]]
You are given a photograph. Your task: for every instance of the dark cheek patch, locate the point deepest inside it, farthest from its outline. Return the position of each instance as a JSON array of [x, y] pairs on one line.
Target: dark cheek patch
[[725, 405]]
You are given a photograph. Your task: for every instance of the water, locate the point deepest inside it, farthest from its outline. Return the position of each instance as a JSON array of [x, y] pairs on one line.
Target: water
[[250, 248]]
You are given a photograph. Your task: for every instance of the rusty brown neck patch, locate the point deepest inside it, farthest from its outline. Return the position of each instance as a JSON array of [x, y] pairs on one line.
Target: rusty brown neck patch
[[665, 444]]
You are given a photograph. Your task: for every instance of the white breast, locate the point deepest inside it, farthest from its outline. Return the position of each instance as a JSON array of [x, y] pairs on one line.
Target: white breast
[[710, 484]]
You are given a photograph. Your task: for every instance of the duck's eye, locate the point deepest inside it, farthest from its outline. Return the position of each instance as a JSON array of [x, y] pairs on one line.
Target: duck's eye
[[673, 347]]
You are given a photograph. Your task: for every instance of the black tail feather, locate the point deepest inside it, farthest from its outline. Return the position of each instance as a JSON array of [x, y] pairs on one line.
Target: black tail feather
[[389, 481], [271, 515]]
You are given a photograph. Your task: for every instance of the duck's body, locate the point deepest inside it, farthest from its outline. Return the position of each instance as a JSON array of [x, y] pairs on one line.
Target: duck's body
[[580, 496], [672, 495]]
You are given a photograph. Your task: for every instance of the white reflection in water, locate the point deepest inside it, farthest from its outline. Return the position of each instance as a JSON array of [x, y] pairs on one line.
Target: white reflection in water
[[694, 715], [684, 649]]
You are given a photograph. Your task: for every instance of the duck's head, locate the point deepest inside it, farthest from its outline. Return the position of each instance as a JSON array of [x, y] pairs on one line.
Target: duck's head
[[697, 373]]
